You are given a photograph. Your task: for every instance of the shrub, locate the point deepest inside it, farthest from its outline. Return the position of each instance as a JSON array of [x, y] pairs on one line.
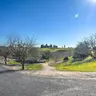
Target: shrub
[[66, 59], [46, 55]]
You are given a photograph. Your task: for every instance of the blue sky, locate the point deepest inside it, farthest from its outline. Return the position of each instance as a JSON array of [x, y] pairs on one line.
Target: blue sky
[[60, 22]]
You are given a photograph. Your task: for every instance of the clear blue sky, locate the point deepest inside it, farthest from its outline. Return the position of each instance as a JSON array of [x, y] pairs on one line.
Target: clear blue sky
[[60, 22]]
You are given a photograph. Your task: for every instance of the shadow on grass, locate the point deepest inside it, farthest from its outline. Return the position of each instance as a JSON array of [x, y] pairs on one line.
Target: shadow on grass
[[10, 64], [13, 65]]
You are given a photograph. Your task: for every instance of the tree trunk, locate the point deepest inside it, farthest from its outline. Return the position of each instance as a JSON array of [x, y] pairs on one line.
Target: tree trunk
[[5, 60], [94, 54], [23, 65]]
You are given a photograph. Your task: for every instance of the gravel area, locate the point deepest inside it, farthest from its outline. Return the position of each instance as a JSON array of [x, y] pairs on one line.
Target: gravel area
[[16, 84]]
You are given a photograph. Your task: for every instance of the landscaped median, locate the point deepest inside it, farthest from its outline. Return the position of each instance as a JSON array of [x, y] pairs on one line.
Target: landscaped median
[[83, 67], [27, 66]]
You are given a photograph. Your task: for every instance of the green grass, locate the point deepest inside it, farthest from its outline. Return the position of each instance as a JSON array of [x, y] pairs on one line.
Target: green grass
[[13, 62], [27, 66], [54, 49], [33, 67], [85, 65], [72, 62]]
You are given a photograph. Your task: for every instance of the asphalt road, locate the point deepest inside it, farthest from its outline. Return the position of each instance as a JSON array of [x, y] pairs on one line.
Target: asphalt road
[[15, 84]]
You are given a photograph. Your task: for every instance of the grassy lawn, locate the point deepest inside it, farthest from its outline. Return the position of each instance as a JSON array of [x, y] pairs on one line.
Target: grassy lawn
[[72, 62], [27, 66], [13, 62], [33, 67], [80, 66], [84, 67]]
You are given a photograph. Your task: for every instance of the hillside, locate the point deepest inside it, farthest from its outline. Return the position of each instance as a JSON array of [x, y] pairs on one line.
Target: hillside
[[56, 49], [86, 65]]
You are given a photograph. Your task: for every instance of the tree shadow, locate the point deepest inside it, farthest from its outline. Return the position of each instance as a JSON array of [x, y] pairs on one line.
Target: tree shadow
[[14, 65], [8, 71]]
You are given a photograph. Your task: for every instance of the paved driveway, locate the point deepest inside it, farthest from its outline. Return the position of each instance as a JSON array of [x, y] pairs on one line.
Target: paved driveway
[[16, 84]]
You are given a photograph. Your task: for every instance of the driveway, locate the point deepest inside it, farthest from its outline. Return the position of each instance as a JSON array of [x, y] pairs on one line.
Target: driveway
[[12, 83]]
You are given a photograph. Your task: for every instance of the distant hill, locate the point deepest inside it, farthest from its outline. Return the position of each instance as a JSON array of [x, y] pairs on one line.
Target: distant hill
[[59, 52], [56, 49]]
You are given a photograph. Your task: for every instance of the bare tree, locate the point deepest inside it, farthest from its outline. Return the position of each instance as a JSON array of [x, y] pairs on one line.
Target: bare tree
[[4, 52], [88, 45], [92, 41], [21, 48], [82, 49]]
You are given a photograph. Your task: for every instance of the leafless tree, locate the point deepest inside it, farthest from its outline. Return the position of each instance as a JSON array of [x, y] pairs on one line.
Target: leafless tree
[[92, 41], [21, 48], [82, 49], [4, 52]]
